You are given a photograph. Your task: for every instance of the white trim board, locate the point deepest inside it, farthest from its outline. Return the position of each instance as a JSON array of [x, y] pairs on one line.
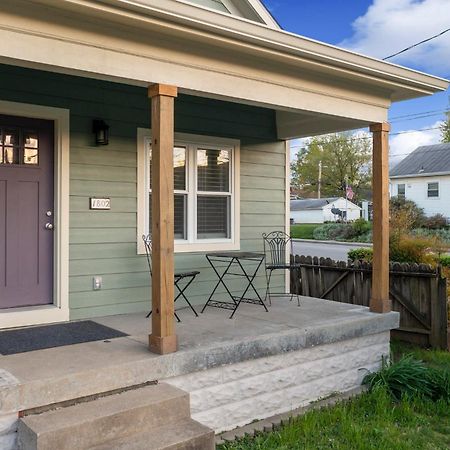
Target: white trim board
[[59, 311], [287, 219]]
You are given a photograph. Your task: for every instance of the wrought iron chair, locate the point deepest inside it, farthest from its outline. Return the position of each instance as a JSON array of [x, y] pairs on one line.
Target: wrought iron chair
[[188, 277], [278, 250]]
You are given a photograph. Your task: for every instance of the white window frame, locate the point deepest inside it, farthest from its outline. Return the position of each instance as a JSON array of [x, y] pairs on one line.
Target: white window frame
[[404, 186], [143, 188], [438, 190]]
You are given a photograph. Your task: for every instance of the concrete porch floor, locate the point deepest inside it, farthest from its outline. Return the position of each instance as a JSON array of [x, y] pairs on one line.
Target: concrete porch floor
[[209, 342]]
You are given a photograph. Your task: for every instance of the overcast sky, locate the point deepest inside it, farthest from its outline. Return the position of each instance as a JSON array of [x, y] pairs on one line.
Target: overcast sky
[[380, 28]]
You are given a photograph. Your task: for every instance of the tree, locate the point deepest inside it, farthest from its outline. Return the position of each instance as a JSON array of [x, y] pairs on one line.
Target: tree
[[332, 161]]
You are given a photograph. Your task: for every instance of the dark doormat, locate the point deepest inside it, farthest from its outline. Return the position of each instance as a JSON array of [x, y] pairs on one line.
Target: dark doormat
[[48, 336]]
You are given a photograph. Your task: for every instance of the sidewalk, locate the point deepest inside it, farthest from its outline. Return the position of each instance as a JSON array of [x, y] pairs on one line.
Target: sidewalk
[[348, 244]]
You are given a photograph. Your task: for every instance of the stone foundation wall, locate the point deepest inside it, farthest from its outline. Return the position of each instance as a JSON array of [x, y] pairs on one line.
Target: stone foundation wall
[[234, 395], [8, 417]]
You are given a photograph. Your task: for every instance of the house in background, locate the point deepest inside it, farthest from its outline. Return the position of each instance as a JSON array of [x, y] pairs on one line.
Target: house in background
[[322, 210], [424, 177]]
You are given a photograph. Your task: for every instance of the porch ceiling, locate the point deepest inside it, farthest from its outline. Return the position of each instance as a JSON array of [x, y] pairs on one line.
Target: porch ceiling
[[315, 87]]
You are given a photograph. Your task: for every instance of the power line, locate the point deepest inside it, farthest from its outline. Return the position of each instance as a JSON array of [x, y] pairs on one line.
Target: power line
[[417, 44], [421, 115], [359, 138]]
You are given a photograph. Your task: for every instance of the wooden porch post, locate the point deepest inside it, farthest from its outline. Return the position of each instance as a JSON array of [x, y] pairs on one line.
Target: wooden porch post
[[380, 302], [163, 338]]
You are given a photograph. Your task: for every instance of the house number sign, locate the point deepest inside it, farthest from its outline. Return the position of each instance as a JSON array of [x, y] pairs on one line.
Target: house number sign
[[100, 203]]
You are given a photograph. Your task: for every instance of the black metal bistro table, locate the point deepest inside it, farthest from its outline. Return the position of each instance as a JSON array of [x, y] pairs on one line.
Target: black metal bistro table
[[238, 264]]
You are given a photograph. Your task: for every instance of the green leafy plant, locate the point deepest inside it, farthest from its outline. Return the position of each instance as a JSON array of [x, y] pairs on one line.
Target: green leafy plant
[[361, 226], [360, 254], [412, 249], [410, 377], [406, 377], [439, 381], [445, 260]]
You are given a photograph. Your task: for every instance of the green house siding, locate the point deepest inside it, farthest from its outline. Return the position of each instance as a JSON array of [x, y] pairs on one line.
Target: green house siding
[[104, 242]]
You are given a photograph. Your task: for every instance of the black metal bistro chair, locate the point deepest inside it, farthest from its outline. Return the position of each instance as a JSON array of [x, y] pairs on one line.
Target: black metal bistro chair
[[278, 250], [181, 280]]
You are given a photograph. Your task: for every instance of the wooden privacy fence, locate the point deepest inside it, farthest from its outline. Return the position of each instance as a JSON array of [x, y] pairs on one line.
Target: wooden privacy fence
[[418, 293]]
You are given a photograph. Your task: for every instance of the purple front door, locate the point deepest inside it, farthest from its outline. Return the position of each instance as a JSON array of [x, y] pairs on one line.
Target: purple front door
[[26, 212]]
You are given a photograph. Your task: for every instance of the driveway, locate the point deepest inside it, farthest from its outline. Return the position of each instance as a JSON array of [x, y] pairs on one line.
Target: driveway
[[333, 250]]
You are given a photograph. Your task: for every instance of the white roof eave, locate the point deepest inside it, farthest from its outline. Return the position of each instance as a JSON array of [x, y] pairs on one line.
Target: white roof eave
[[275, 45]]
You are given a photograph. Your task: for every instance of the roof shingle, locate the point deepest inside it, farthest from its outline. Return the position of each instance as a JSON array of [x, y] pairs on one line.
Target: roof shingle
[[428, 159], [311, 203]]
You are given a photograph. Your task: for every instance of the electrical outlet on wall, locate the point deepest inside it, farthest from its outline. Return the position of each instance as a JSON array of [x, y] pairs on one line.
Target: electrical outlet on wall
[[97, 283]]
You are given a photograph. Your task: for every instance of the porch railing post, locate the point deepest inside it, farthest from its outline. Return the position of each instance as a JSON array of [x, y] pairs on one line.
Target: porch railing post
[[379, 301], [162, 338]]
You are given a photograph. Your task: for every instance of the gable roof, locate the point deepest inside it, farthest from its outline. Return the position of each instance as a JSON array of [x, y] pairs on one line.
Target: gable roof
[[424, 161], [249, 9], [311, 203]]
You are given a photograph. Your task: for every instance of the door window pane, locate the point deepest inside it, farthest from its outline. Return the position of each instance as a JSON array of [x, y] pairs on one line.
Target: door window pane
[[213, 170], [18, 146], [11, 155], [31, 144], [10, 146], [11, 137], [213, 217]]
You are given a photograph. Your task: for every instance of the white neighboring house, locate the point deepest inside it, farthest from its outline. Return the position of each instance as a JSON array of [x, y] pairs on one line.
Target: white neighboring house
[[424, 177], [319, 210]]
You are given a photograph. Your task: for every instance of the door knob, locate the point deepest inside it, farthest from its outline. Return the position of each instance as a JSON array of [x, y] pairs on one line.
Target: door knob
[[49, 226]]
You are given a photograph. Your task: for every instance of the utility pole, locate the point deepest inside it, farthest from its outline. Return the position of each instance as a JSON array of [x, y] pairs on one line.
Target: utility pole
[[346, 199], [319, 181]]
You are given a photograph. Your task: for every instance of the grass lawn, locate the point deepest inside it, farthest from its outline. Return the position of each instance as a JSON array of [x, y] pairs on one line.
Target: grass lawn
[[370, 421], [304, 230]]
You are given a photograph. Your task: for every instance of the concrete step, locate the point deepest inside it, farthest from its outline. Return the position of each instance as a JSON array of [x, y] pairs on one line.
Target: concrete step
[[183, 435], [84, 425]]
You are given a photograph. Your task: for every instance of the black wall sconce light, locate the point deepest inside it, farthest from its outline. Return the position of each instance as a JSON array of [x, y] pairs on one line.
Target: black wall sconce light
[[101, 130]]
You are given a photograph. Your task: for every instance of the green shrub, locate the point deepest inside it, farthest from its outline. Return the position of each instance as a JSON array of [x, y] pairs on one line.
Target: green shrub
[[442, 234], [412, 249], [410, 213], [436, 222], [366, 237], [324, 231], [360, 254], [406, 250], [361, 226], [445, 260], [410, 377], [406, 377], [335, 231], [439, 381]]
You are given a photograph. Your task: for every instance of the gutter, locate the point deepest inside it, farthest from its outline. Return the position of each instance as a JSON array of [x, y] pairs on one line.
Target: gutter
[[322, 56], [420, 175]]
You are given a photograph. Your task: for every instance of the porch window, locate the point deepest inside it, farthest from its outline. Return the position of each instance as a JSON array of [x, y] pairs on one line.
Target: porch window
[[433, 190], [206, 192]]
